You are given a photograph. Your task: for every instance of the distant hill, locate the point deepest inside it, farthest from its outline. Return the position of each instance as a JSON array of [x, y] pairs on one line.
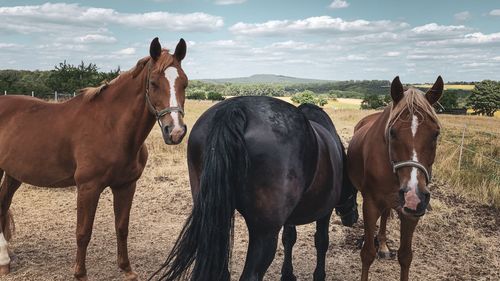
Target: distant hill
[[265, 79]]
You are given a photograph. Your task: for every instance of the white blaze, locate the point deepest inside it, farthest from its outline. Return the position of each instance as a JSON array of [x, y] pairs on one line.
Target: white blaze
[[413, 182], [414, 125], [171, 74], [4, 253]]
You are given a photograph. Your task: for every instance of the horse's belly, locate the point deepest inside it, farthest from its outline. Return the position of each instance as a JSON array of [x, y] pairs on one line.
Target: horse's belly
[[315, 204], [42, 177]]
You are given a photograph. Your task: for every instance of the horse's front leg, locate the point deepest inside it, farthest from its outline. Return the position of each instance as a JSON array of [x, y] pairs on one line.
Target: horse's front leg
[[405, 253], [383, 250], [87, 199], [370, 216], [122, 202], [321, 240]]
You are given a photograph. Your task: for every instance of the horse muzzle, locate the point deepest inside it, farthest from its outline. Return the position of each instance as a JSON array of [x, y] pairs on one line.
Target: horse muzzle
[[174, 135], [414, 202]]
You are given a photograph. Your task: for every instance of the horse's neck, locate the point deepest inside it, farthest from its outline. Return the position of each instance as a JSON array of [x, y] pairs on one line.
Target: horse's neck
[[127, 103]]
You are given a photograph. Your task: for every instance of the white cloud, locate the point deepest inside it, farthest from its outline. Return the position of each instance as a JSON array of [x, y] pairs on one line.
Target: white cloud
[[434, 28], [477, 38], [229, 2], [339, 4], [9, 45], [496, 58], [126, 51], [36, 18], [495, 12], [95, 38], [392, 54], [322, 24], [462, 16]]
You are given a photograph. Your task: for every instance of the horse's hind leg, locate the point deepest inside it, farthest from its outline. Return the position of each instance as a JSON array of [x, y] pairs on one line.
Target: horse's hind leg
[[289, 238], [261, 251], [7, 190], [122, 202], [383, 250], [321, 240]]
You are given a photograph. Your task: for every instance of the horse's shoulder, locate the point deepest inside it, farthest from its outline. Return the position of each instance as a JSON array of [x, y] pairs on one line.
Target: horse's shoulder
[[367, 121]]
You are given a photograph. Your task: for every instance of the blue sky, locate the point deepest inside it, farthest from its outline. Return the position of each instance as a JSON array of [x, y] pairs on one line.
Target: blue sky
[[324, 39]]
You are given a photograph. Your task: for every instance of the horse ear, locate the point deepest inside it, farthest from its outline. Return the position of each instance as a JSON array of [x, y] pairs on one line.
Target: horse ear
[[435, 93], [397, 91], [180, 50], [155, 49]]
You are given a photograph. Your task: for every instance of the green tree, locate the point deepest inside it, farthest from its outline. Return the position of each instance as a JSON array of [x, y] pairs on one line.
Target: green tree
[[373, 101], [309, 97], [449, 100], [485, 98], [214, 96], [197, 94]]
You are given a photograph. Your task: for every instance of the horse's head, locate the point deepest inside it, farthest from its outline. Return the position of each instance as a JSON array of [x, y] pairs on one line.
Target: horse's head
[[411, 134], [166, 87], [348, 210]]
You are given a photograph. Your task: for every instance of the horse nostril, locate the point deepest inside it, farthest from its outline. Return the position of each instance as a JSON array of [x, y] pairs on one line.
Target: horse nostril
[[427, 197], [402, 196], [167, 130]]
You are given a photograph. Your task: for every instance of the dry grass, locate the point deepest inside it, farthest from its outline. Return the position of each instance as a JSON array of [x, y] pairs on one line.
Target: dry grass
[[448, 87], [458, 240], [340, 103], [479, 175]]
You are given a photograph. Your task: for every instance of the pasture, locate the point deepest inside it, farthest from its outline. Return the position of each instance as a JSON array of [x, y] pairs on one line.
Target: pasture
[[457, 240]]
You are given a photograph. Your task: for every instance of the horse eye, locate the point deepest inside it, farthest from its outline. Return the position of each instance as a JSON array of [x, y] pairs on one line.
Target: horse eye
[[436, 135], [392, 132], [154, 84]]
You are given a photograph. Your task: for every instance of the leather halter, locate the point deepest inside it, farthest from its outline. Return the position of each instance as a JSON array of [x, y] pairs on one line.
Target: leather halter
[[407, 163], [152, 109]]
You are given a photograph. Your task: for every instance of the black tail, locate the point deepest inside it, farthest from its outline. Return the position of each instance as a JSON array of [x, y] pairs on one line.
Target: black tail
[[206, 238], [348, 208]]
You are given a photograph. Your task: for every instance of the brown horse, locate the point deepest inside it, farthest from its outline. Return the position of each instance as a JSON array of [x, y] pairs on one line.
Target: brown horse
[[92, 141], [390, 161]]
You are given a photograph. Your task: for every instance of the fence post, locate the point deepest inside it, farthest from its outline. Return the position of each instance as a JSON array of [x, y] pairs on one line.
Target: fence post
[[74, 94], [461, 148], [33, 93], [55, 95]]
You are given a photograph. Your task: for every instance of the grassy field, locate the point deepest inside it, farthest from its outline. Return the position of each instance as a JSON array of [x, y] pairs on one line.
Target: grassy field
[[448, 87], [479, 176], [340, 103], [457, 240]]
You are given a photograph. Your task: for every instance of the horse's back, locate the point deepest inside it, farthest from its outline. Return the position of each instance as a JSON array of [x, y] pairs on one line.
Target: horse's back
[[281, 152], [30, 133]]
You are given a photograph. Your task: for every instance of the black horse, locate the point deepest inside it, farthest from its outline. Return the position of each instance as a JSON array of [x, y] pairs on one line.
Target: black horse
[[278, 166]]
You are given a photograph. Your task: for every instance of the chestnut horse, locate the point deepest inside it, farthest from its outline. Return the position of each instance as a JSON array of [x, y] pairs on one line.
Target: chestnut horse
[[390, 161], [279, 166], [92, 141]]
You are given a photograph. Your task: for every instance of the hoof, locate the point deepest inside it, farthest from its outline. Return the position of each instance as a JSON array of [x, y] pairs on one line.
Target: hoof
[[83, 278], [4, 269], [386, 255], [131, 276], [289, 278]]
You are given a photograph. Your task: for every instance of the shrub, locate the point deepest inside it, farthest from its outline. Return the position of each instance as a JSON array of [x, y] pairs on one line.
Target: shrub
[[214, 96], [197, 94], [309, 97]]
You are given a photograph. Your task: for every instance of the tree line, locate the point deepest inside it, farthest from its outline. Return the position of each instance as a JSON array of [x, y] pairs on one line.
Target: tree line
[[484, 99], [65, 78]]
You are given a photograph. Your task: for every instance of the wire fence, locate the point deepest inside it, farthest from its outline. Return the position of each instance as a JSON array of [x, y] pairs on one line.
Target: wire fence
[[462, 147], [57, 97]]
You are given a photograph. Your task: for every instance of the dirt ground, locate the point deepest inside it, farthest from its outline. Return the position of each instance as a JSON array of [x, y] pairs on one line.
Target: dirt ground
[[457, 240]]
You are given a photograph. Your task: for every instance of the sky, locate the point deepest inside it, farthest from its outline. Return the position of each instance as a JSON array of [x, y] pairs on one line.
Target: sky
[[320, 39]]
